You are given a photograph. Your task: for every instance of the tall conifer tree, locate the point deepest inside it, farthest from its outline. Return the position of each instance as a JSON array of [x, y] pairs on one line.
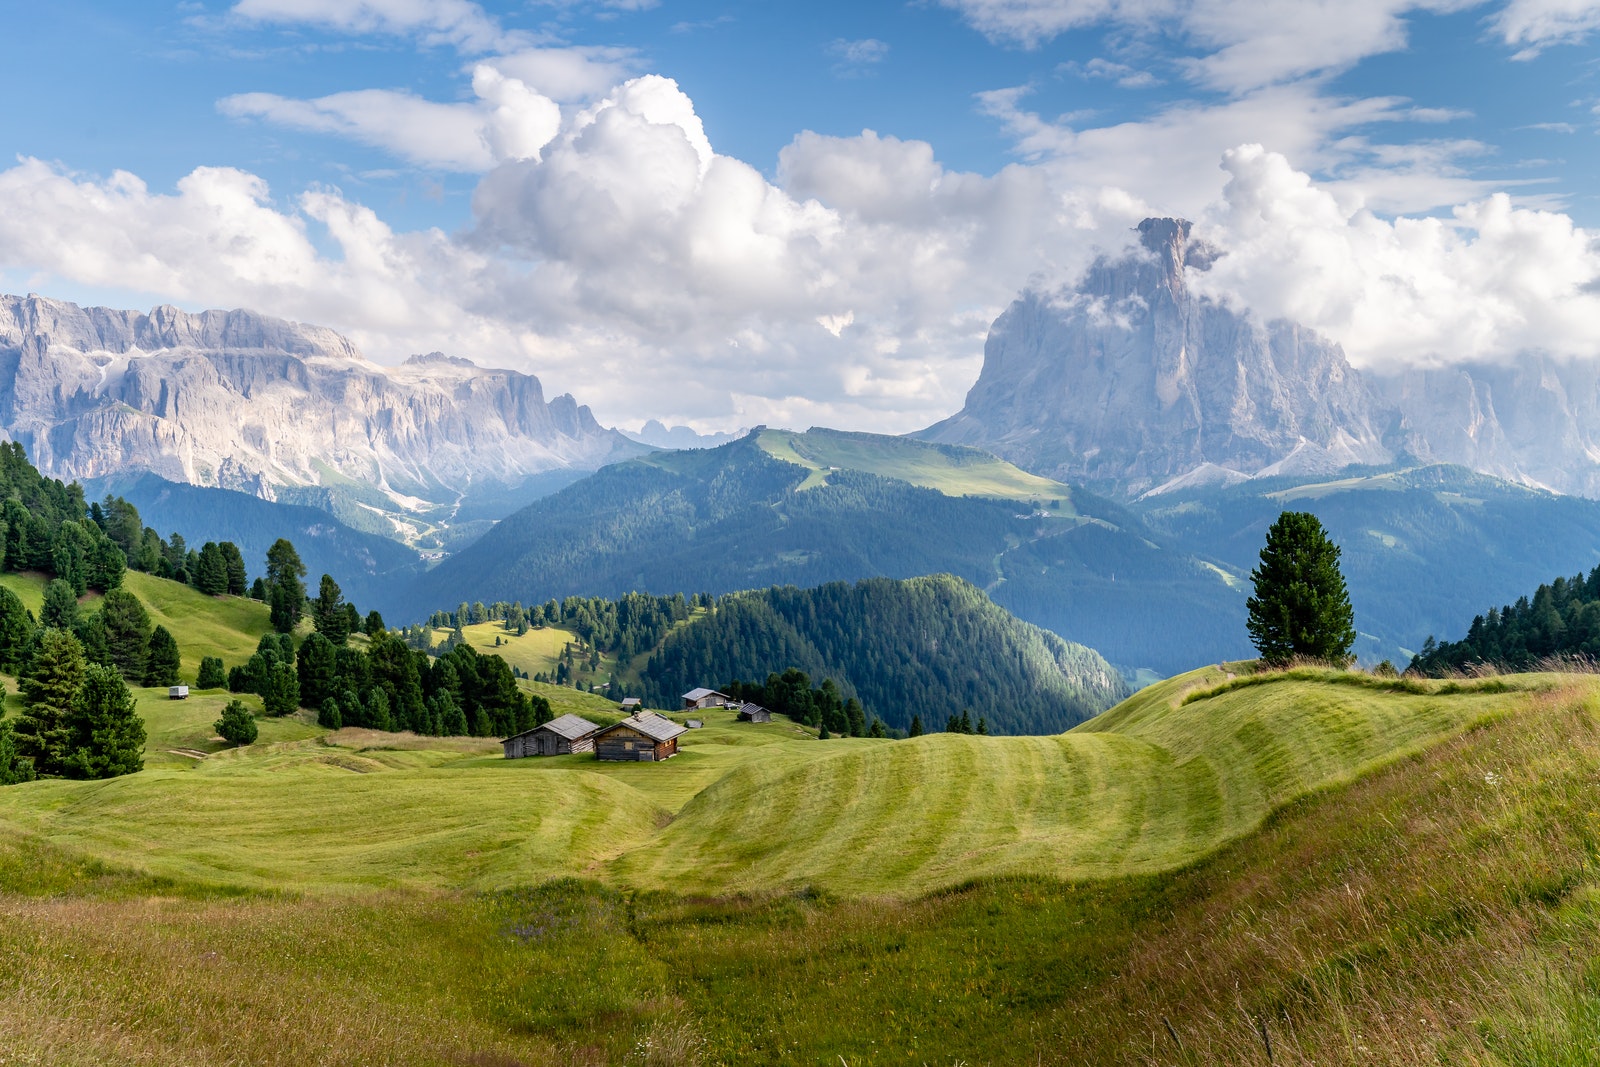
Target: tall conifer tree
[[1301, 608]]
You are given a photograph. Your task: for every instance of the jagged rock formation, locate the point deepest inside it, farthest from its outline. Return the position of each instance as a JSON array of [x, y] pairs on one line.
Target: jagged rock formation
[[242, 401], [1133, 383]]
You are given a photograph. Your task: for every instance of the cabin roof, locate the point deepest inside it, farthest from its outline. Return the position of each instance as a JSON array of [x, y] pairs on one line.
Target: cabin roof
[[750, 709], [653, 726], [571, 727], [702, 693]]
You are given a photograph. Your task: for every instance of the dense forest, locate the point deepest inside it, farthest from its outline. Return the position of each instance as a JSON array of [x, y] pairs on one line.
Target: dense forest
[[1561, 619], [929, 647]]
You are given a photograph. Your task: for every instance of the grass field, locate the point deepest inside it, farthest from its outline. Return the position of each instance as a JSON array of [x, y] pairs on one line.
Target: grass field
[[952, 471], [1442, 908]]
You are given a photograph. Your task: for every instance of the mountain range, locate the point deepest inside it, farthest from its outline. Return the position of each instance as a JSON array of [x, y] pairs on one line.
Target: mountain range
[[280, 410]]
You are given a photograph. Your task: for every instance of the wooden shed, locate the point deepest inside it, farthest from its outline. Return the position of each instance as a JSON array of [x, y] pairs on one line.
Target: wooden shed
[[705, 698], [558, 737], [639, 738], [754, 713], [632, 704]]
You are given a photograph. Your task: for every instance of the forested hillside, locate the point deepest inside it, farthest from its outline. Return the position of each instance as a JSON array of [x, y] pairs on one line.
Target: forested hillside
[[733, 518], [1562, 619], [929, 647]]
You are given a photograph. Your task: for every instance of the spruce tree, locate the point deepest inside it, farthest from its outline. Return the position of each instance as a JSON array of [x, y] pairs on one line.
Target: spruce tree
[[280, 688], [328, 612], [162, 664], [127, 632], [286, 592], [233, 563], [16, 630], [14, 767], [107, 734], [43, 730], [211, 674], [237, 726], [328, 714], [916, 726], [60, 610], [316, 665], [1301, 608], [374, 624], [210, 575]]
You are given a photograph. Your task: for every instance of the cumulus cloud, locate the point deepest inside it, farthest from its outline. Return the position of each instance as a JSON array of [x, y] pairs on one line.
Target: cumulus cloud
[[1491, 281], [571, 73], [508, 121]]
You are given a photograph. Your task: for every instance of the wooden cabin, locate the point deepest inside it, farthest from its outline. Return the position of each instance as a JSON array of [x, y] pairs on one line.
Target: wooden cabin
[[696, 699], [639, 738], [632, 704], [558, 737], [753, 713]]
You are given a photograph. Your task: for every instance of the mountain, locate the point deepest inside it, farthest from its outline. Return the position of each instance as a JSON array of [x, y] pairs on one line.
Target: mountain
[[780, 508], [1132, 382], [280, 410], [923, 647], [657, 435], [1158, 583]]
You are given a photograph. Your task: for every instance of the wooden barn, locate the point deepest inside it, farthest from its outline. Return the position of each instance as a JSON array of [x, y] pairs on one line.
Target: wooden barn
[[639, 738], [754, 713], [705, 698], [632, 704], [558, 737]]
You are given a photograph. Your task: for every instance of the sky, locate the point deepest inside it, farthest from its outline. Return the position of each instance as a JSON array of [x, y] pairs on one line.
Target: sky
[[723, 214]]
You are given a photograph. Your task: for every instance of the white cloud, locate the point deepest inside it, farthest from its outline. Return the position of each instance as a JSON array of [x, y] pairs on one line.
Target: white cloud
[[458, 23], [509, 121], [1489, 282], [854, 58], [1123, 75], [1243, 47], [1537, 24], [573, 73]]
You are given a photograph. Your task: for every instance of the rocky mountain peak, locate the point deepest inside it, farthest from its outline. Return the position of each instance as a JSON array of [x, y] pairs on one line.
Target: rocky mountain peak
[[1128, 380]]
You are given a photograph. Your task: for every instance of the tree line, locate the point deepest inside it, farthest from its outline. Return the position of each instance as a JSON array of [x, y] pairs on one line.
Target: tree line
[[1562, 618]]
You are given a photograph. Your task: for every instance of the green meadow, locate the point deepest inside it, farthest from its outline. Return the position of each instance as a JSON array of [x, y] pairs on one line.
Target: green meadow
[[1341, 869]]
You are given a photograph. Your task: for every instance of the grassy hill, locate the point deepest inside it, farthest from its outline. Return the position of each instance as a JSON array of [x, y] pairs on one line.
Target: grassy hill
[[1356, 874]]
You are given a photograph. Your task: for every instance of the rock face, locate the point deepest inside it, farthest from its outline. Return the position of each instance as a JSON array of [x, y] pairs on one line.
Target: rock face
[[1130, 381], [242, 401], [1133, 383]]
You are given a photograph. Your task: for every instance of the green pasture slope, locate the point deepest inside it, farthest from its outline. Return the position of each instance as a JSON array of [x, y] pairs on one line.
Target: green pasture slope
[[1150, 786], [1363, 873], [953, 470]]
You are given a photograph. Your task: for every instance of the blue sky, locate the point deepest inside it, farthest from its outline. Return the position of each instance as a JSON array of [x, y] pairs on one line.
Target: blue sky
[[416, 173]]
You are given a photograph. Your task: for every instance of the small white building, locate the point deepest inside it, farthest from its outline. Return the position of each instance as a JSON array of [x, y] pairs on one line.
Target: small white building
[[178, 692]]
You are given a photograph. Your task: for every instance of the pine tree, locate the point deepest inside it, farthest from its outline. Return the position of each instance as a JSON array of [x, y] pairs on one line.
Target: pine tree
[[237, 726], [107, 734], [16, 630], [916, 726], [163, 662], [378, 711], [14, 767], [127, 632], [1301, 608], [877, 728], [211, 674], [318, 669], [328, 715], [43, 731], [233, 563], [60, 610], [328, 613], [210, 575], [286, 592], [374, 624], [280, 688]]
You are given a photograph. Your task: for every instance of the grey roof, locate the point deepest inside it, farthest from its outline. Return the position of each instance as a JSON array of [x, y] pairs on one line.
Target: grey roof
[[653, 726], [702, 693], [750, 709], [632, 702], [571, 727]]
